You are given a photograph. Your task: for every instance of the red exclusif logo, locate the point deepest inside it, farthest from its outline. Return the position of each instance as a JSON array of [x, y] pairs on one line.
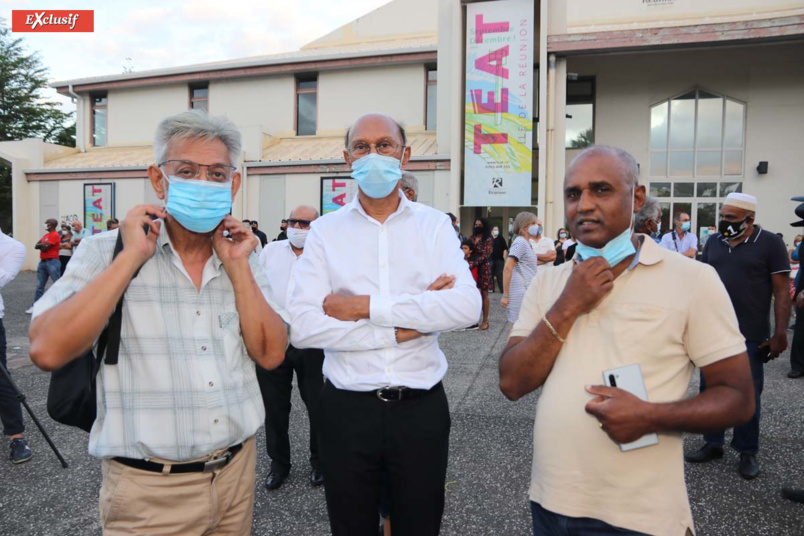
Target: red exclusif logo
[[47, 20]]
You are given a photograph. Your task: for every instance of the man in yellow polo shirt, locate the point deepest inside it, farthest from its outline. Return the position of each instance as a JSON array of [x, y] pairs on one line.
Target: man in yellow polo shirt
[[616, 306]]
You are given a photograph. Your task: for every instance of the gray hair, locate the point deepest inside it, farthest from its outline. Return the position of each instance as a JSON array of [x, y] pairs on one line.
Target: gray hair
[[629, 164], [410, 182], [650, 211], [196, 124], [521, 221]]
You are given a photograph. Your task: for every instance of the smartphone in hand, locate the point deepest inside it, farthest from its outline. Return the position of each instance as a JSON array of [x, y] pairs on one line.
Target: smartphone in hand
[[629, 378]]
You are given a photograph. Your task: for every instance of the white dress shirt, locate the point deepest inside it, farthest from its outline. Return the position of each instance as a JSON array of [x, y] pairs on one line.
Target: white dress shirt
[[278, 262], [543, 246], [350, 253], [12, 255], [673, 242], [184, 385]]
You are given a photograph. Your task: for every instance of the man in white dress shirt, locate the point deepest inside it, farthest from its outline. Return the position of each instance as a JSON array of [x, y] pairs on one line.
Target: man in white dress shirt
[[279, 259], [379, 279], [177, 413], [680, 239]]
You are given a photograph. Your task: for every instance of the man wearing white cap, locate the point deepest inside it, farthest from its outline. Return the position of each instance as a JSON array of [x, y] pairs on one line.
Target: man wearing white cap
[[753, 265]]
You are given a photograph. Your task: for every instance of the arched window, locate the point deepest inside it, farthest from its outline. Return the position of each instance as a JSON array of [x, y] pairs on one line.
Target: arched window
[[697, 147]]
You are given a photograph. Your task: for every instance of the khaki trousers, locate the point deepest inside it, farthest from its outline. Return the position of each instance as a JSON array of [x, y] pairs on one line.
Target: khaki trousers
[[133, 501]]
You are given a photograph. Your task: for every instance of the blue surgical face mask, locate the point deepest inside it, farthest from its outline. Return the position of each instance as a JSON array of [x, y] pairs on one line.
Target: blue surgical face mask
[[535, 230], [658, 230], [198, 205], [376, 175], [616, 250], [685, 226]]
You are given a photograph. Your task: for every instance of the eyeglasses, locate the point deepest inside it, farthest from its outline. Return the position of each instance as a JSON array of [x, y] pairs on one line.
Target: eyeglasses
[[185, 169], [303, 224], [360, 149]]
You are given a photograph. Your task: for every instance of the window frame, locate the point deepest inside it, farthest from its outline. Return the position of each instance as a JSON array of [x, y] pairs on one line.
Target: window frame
[[427, 84], [298, 91], [92, 108], [694, 177], [191, 99], [593, 102]]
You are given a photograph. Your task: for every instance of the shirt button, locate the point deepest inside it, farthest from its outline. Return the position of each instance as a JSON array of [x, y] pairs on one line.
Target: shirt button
[[203, 348], [198, 313], [211, 384], [215, 421]]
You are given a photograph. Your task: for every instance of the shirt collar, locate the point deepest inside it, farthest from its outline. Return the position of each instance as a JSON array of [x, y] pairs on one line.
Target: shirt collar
[[165, 245], [648, 253], [404, 203]]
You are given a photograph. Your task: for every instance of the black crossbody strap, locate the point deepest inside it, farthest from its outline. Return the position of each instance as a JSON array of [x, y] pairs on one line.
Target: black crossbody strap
[[109, 341]]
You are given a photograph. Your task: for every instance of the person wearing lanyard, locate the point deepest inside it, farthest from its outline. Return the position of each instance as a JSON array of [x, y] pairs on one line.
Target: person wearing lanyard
[[378, 280], [278, 260], [680, 239]]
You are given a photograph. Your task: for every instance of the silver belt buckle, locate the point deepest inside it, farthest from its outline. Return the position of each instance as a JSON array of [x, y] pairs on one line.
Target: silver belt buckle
[[218, 463], [389, 388]]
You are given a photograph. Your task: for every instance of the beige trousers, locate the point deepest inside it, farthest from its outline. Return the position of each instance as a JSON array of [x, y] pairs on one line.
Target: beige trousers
[[133, 501]]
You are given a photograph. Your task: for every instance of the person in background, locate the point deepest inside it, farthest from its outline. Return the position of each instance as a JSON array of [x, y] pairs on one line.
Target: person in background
[[468, 249], [797, 348], [481, 241], [543, 246], [49, 265], [680, 239], [649, 220], [410, 186], [283, 227], [79, 232], [753, 265], [498, 253], [112, 224], [563, 241], [66, 247], [255, 228], [457, 226], [520, 267], [12, 256]]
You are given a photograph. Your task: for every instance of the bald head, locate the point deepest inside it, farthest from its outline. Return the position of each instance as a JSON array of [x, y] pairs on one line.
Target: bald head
[[376, 119], [629, 167], [304, 212]]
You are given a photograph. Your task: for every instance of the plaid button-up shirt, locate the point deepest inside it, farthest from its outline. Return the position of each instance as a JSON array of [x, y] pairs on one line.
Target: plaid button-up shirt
[[184, 385]]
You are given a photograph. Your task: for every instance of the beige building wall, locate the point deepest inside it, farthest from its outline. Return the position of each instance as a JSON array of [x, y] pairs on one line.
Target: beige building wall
[[135, 113], [398, 91], [265, 102], [768, 78]]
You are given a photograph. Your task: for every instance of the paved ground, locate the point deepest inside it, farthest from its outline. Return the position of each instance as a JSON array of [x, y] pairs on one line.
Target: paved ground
[[489, 457]]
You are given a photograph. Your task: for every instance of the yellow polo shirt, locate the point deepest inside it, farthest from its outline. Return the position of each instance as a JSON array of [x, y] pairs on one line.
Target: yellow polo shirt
[[669, 314]]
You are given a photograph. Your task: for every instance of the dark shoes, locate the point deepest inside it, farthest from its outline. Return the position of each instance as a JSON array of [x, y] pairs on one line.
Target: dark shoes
[[275, 480], [793, 374], [749, 468], [796, 495], [707, 453], [316, 477], [20, 452]]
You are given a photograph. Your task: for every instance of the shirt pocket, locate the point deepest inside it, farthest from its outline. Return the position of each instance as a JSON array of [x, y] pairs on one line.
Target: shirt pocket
[[644, 331], [231, 337]]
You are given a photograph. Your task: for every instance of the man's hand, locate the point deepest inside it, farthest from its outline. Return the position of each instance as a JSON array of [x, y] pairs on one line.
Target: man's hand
[[347, 308], [588, 284], [138, 246], [443, 282], [238, 246], [777, 343], [623, 416]]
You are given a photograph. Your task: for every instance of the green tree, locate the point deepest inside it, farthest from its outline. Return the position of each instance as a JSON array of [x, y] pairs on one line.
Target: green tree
[[24, 110], [584, 139]]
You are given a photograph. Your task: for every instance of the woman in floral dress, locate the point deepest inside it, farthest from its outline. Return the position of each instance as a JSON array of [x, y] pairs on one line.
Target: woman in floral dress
[[481, 239]]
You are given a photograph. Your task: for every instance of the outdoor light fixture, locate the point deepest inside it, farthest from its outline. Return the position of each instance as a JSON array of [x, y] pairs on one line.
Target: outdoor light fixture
[[762, 168]]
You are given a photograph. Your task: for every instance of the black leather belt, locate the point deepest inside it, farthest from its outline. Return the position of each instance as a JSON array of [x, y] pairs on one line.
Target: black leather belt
[[219, 462], [397, 394]]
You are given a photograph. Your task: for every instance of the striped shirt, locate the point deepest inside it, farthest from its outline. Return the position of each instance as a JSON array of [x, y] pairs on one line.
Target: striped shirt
[[184, 385]]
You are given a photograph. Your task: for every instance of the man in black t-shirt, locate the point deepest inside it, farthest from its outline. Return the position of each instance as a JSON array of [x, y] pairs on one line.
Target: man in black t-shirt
[[754, 266]]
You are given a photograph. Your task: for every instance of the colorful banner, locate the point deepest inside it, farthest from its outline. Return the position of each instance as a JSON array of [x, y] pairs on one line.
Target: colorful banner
[[336, 192], [98, 206], [499, 104]]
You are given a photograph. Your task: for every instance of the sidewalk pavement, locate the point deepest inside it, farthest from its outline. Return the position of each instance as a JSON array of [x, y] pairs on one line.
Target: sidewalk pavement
[[489, 465]]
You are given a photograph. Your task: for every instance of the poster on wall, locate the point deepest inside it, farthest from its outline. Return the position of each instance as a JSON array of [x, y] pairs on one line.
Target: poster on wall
[[98, 206], [336, 192], [499, 104]]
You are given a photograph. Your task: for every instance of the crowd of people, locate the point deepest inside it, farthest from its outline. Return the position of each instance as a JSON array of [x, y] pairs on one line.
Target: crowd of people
[[218, 320]]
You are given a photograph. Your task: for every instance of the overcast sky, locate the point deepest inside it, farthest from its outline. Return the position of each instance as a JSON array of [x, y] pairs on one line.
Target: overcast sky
[[159, 34]]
